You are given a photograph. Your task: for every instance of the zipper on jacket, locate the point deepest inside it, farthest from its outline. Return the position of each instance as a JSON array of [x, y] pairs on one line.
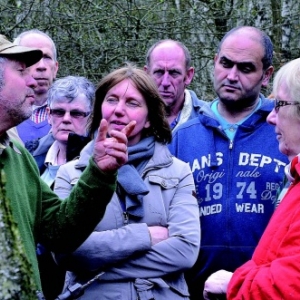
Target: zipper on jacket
[[125, 214], [230, 144]]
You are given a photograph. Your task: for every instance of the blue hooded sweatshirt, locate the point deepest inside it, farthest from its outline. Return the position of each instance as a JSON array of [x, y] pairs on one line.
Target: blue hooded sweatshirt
[[236, 184]]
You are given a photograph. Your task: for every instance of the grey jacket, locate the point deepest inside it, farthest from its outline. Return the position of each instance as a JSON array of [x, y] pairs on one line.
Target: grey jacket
[[133, 269]]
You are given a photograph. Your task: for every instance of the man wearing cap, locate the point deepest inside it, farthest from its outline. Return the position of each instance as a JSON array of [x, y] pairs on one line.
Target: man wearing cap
[[37, 212], [44, 72]]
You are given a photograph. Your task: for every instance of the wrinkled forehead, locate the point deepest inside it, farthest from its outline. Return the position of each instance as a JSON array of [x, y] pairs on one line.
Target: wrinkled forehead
[[242, 49], [167, 55], [39, 41]]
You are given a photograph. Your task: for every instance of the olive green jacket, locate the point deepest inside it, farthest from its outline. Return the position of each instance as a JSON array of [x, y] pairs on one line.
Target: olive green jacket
[[40, 215]]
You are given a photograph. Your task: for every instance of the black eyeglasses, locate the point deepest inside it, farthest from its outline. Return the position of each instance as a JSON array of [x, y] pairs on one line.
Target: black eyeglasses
[[59, 113], [280, 103]]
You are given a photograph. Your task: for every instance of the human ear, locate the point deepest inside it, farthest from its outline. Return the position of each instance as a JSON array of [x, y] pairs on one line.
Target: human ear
[[267, 75], [189, 76]]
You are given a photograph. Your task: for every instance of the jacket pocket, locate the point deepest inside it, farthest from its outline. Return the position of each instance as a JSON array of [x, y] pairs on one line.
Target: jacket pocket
[[165, 183]]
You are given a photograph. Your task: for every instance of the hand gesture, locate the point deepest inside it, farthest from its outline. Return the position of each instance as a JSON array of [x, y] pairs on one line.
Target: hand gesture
[[110, 153]]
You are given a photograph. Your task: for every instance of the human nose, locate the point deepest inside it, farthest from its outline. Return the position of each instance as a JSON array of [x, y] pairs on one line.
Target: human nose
[[165, 79], [40, 65], [232, 74], [30, 81], [66, 117], [271, 118], [120, 107]]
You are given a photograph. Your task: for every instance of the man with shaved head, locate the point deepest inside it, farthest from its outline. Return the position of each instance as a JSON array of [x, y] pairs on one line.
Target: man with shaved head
[[234, 156]]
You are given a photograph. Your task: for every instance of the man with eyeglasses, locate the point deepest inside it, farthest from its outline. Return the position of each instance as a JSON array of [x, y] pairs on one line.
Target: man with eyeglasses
[[234, 157]]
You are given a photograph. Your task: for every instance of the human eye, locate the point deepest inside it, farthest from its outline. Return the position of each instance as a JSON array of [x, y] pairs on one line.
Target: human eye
[[57, 112], [111, 100], [133, 103], [22, 69], [280, 103], [246, 67], [174, 73], [158, 73], [226, 63], [78, 114], [47, 56]]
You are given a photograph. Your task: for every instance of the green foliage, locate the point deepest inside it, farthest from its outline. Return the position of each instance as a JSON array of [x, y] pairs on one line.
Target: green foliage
[[16, 278], [95, 36]]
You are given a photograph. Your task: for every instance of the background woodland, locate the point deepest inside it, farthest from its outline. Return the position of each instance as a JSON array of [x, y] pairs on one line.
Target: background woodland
[[95, 36]]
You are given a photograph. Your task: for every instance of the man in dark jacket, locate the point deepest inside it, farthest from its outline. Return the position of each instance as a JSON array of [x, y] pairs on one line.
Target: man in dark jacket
[[234, 156]]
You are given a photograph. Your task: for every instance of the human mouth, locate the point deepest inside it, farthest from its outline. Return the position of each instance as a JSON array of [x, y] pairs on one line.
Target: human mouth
[[31, 98], [41, 81], [230, 87], [117, 125], [166, 94], [278, 135]]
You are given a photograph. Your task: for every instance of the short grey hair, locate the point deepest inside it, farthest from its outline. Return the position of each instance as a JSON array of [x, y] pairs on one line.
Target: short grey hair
[[69, 88], [19, 38], [3, 60]]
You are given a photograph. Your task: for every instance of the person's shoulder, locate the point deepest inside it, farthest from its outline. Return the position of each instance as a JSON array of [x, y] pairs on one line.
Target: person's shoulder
[[204, 118], [179, 168], [266, 103], [68, 171], [40, 145], [177, 162], [69, 166], [166, 156], [13, 135], [188, 125], [17, 149], [196, 100]]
